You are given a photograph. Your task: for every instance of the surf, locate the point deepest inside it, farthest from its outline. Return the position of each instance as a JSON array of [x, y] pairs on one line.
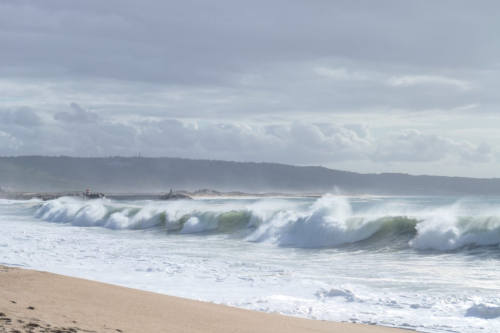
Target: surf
[[329, 221]]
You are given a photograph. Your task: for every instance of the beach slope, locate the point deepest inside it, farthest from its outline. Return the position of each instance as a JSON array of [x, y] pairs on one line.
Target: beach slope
[[33, 301]]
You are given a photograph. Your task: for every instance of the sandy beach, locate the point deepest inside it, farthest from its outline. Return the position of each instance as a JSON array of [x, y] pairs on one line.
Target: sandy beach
[[33, 301]]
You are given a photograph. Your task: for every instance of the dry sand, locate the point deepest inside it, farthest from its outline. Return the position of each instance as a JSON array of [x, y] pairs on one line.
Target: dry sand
[[32, 301]]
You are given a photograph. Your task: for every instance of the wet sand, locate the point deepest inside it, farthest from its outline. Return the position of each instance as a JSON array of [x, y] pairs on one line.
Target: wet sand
[[33, 301]]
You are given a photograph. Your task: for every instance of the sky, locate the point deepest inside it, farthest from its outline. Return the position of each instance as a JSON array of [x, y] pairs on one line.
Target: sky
[[359, 85]]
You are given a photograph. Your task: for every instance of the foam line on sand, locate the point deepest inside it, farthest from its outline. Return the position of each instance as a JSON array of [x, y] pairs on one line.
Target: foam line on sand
[[33, 301]]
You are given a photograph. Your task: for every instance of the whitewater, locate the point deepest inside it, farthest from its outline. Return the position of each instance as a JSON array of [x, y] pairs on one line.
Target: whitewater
[[424, 263]]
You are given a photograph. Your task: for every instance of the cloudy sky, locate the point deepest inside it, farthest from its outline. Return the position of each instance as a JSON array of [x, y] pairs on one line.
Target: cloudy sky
[[366, 86]]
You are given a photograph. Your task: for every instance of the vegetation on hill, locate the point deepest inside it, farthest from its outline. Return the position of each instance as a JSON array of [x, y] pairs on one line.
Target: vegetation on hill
[[139, 174]]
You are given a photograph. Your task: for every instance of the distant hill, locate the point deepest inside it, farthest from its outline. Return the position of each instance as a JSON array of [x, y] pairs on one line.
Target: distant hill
[[139, 174]]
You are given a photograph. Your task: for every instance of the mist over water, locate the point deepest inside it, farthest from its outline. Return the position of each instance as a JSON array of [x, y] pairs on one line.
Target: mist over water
[[427, 263]]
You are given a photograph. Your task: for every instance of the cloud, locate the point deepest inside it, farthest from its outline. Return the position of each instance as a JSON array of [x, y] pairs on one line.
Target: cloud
[[78, 115], [257, 62], [343, 74], [432, 80], [237, 138], [214, 137], [244, 81], [82, 132], [298, 142], [23, 116], [415, 146], [8, 143], [26, 117], [328, 138], [169, 133], [475, 153]]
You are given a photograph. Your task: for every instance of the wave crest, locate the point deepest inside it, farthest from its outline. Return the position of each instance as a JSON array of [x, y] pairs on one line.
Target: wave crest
[[328, 222]]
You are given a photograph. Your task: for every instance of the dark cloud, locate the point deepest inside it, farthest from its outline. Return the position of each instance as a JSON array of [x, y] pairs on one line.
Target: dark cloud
[[193, 41], [23, 116], [26, 117]]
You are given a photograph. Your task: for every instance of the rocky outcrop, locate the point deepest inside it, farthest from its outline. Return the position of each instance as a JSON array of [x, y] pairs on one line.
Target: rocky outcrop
[[175, 196], [207, 192], [93, 195]]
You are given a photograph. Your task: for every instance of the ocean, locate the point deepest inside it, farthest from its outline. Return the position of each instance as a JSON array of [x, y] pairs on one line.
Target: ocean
[[425, 263]]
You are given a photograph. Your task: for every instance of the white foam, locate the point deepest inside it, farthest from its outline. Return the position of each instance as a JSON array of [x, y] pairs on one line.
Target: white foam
[[485, 311], [344, 293], [404, 288], [201, 223], [449, 232], [328, 222]]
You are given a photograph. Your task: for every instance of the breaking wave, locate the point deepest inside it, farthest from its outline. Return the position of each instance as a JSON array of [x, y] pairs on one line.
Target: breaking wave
[[328, 222]]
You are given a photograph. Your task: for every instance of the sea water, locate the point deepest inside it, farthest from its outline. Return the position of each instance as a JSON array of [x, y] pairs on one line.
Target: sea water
[[424, 263]]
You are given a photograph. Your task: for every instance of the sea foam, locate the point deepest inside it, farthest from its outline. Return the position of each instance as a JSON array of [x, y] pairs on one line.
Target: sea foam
[[428, 264], [328, 222]]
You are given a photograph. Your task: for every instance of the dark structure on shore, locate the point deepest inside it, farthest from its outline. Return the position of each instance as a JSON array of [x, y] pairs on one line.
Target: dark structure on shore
[[88, 195], [175, 196]]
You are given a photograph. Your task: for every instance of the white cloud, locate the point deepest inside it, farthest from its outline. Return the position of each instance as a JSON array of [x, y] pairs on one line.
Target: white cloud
[[83, 133], [9, 143], [475, 153], [428, 80], [415, 146], [343, 74], [237, 138], [329, 138]]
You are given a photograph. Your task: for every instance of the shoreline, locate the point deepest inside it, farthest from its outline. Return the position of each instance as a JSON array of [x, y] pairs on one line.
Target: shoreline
[[48, 302], [45, 196]]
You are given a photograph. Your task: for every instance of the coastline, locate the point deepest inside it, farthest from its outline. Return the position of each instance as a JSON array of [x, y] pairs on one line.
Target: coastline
[[45, 196], [67, 304]]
